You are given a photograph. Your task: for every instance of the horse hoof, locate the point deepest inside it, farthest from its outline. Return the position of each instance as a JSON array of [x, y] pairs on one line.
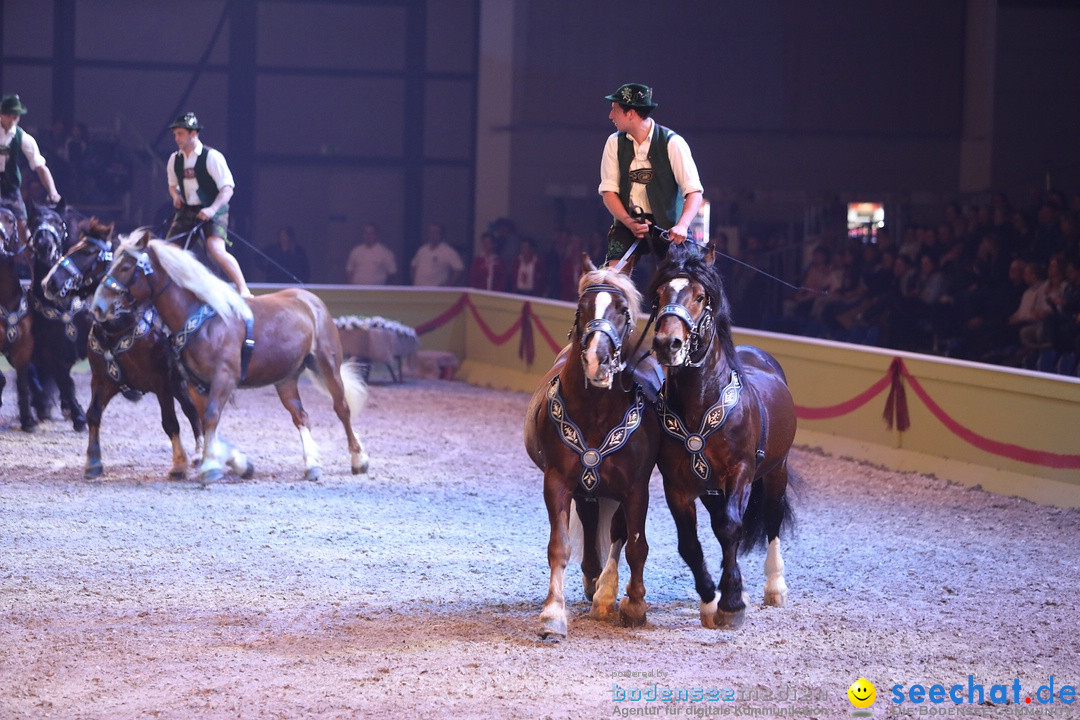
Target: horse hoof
[[313, 474], [631, 614], [590, 587], [776, 599], [730, 620], [602, 611], [361, 467], [93, 471], [28, 427], [178, 474], [211, 476], [708, 613], [553, 631], [248, 471], [79, 425]]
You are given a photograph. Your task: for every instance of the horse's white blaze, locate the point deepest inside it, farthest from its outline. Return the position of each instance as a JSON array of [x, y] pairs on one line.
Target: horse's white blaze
[[592, 361], [776, 588], [311, 450], [677, 285]]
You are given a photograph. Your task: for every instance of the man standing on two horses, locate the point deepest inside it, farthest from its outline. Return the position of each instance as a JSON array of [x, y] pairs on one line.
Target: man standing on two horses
[[647, 176], [15, 143], [201, 186]]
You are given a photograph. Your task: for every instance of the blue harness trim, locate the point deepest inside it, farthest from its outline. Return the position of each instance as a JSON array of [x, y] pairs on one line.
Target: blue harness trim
[[13, 317], [712, 421], [574, 439], [111, 352]]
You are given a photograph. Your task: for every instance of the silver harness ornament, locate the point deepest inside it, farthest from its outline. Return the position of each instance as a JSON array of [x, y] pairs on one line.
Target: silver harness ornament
[[712, 421]]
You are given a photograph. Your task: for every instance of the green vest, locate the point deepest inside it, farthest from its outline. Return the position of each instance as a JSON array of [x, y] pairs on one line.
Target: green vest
[[663, 190], [208, 189], [11, 180]]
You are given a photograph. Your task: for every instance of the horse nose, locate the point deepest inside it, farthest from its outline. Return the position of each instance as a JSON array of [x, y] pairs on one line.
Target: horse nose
[[667, 345], [100, 310]]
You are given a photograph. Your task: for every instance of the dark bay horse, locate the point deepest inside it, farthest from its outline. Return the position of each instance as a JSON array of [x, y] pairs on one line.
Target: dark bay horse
[[225, 342], [60, 328], [129, 354], [591, 428], [16, 337], [729, 421]]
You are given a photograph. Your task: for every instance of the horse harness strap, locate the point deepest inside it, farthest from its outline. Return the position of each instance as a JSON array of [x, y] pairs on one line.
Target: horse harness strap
[[574, 439], [712, 421], [67, 317], [12, 318], [192, 325], [111, 351]]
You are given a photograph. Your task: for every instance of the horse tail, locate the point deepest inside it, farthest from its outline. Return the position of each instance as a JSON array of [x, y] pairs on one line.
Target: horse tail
[[603, 530], [352, 378], [352, 382], [763, 518]]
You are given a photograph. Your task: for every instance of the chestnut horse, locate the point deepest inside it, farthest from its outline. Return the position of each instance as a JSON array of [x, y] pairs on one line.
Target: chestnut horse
[[129, 354], [225, 342], [16, 338], [729, 421], [591, 428]]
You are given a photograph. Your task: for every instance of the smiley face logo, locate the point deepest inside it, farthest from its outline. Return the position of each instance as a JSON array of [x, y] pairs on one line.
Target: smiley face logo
[[862, 693]]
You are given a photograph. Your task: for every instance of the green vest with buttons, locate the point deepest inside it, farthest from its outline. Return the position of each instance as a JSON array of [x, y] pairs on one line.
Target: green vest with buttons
[[663, 190]]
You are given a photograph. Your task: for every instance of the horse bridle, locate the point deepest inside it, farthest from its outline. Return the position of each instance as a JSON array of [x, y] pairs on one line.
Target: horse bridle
[[76, 280], [142, 263], [697, 330], [58, 233], [602, 325]]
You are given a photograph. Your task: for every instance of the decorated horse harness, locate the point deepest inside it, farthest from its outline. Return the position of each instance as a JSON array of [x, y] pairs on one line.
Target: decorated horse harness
[[715, 417], [192, 325]]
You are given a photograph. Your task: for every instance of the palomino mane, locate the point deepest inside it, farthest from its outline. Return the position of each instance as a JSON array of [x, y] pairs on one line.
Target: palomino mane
[[688, 260], [190, 274], [610, 276]]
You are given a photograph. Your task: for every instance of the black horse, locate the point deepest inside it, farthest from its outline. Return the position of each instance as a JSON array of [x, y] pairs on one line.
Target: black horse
[[16, 338], [60, 329]]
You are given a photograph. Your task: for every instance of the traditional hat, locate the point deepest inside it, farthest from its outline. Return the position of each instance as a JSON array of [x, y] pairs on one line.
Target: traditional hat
[[12, 105], [187, 121], [633, 95]]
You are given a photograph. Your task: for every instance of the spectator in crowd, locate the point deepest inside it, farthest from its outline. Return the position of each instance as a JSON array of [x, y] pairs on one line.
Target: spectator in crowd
[[286, 260], [486, 271], [529, 276], [370, 262], [570, 268], [436, 263]]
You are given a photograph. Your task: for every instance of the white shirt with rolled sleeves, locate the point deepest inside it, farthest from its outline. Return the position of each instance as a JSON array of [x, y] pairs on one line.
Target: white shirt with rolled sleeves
[[215, 165], [682, 167], [30, 149]]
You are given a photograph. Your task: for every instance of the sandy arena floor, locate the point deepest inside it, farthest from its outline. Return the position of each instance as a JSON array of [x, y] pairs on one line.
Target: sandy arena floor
[[414, 591]]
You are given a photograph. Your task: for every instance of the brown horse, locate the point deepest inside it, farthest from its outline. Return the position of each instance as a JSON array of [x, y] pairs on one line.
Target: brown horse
[[593, 432], [225, 342], [16, 338], [728, 421], [129, 354]]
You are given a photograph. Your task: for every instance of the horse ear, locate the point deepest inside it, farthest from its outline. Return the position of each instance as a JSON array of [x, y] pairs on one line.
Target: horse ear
[[142, 242], [628, 266], [710, 255], [586, 263]]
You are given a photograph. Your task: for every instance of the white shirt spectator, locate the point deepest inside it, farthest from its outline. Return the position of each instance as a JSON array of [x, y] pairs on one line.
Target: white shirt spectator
[[435, 266], [370, 264]]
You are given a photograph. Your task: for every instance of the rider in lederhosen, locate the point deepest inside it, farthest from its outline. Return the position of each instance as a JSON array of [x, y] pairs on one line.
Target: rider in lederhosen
[[647, 177], [201, 186]]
